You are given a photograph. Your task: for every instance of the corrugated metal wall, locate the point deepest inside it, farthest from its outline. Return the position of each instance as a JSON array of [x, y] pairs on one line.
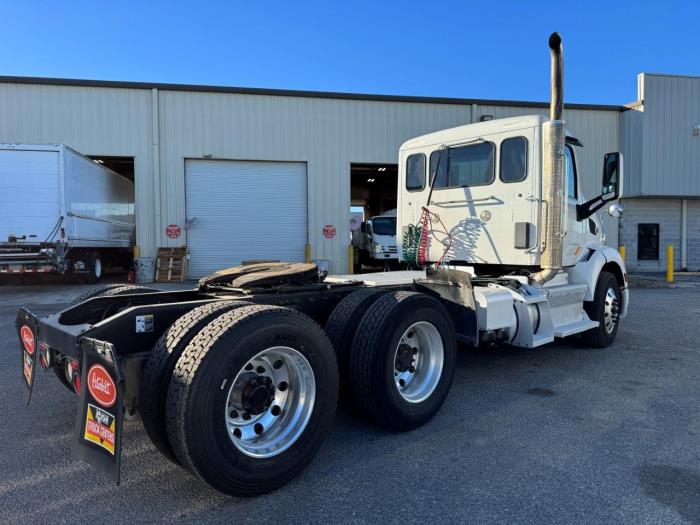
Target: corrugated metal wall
[[631, 140], [327, 134], [671, 153]]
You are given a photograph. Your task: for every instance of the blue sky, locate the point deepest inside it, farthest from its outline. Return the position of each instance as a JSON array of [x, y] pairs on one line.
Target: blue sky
[[494, 49]]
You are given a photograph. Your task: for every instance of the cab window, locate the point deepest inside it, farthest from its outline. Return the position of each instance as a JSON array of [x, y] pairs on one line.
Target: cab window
[[415, 172], [571, 173], [514, 159], [471, 165]]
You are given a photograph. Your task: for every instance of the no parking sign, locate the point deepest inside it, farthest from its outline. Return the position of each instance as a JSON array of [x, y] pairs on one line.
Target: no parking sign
[[173, 231], [329, 231]]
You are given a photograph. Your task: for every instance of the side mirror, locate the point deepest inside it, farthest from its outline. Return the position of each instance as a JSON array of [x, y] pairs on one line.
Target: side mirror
[[611, 187], [612, 167]]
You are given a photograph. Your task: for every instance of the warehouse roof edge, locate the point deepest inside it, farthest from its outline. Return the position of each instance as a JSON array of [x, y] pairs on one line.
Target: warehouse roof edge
[[294, 93]]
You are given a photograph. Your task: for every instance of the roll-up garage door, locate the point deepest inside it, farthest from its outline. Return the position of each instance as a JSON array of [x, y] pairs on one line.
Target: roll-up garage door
[[244, 210]]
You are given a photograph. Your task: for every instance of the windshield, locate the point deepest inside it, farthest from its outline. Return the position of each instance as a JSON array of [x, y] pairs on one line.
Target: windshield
[[384, 225]]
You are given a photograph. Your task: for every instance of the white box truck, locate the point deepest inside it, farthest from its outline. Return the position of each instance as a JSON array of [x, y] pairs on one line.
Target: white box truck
[[62, 212]]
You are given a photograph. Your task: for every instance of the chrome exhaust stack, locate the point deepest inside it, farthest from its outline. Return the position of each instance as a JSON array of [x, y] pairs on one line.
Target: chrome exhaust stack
[[553, 212]]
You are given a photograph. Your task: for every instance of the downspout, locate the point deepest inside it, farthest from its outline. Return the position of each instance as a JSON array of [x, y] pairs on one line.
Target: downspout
[[553, 215], [684, 234], [155, 143]]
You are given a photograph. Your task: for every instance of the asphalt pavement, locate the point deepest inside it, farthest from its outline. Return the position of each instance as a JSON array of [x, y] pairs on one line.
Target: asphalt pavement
[[560, 434]]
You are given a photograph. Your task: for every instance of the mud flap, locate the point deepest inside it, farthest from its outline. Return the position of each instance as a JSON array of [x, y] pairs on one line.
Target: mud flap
[[28, 332], [98, 427]]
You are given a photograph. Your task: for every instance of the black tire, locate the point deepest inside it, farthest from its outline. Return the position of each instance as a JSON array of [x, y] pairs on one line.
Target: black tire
[[158, 369], [197, 397], [110, 290], [602, 336], [342, 326], [372, 359]]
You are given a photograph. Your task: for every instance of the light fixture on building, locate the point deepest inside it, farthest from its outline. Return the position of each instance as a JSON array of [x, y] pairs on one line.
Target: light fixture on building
[[381, 169], [370, 180], [485, 118], [99, 161]]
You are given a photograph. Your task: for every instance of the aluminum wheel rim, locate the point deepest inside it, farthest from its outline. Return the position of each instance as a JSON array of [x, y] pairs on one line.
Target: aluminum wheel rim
[[291, 403], [611, 310], [421, 379]]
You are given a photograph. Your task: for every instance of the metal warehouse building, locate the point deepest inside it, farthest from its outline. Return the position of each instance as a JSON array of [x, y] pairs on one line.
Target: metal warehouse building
[[248, 174]]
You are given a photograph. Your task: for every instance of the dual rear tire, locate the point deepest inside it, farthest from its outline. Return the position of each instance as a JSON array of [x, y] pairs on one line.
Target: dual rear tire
[[396, 353], [241, 395]]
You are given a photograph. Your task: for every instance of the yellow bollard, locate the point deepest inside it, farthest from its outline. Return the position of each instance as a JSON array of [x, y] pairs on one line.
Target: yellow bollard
[[351, 261], [307, 253], [669, 263], [623, 252]]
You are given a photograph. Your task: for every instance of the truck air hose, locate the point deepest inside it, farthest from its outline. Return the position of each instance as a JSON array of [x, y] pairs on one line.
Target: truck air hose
[[424, 239]]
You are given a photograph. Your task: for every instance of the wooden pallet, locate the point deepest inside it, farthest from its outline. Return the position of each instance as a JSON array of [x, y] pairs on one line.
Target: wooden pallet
[[171, 265]]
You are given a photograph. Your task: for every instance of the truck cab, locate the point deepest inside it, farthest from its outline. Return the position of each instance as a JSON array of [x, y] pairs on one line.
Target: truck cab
[[484, 182], [474, 197]]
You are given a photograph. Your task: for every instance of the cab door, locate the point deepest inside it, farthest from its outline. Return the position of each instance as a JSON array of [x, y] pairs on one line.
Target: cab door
[[482, 190]]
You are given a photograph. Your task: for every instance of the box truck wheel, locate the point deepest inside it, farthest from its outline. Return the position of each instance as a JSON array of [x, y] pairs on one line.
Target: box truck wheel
[[251, 398], [605, 308], [95, 269], [158, 369], [402, 360], [342, 325]]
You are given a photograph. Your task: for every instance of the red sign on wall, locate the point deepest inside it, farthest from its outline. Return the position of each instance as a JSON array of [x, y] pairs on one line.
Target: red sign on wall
[[329, 231], [173, 231]]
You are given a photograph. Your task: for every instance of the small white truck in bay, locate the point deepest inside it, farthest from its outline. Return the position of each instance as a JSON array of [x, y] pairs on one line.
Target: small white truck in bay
[[62, 212], [375, 240], [237, 380]]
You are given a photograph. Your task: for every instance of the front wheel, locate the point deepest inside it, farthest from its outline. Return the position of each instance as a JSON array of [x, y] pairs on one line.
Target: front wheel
[[605, 308], [251, 399]]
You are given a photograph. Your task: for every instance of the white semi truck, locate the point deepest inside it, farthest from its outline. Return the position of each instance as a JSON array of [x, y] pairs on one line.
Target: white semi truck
[[61, 212], [237, 380]]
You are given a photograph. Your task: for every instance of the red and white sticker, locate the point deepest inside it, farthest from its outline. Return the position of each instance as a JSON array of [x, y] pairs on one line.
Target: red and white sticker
[[27, 339], [173, 231], [101, 386], [329, 231]]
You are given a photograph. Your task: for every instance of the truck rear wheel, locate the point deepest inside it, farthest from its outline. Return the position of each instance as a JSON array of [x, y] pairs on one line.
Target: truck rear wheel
[[342, 325], [251, 399], [605, 308], [402, 360], [158, 369]]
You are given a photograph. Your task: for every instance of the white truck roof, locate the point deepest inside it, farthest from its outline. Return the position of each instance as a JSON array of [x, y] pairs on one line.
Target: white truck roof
[[475, 130]]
